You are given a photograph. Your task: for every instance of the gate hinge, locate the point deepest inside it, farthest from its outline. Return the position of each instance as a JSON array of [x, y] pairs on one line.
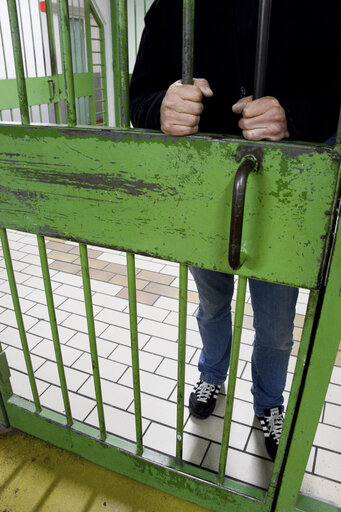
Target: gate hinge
[[337, 211]]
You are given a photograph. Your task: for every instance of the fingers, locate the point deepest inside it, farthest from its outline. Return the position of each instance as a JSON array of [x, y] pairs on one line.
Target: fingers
[[204, 87], [262, 119], [182, 106], [241, 104]]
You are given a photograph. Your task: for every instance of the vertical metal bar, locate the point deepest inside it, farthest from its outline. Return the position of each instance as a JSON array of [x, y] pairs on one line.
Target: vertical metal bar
[[264, 14], [92, 337], [103, 66], [18, 314], [188, 42], [53, 55], [19, 68], [54, 327], [87, 14], [338, 134], [3, 52], [123, 66], [32, 35], [81, 38], [320, 364], [181, 360], [65, 43], [134, 349], [237, 332], [135, 26], [296, 383]]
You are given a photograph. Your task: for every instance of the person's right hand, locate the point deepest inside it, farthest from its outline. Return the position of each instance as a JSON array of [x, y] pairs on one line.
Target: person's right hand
[[182, 106]]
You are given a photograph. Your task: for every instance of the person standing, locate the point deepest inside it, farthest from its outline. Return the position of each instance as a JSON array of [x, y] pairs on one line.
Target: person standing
[[301, 102]]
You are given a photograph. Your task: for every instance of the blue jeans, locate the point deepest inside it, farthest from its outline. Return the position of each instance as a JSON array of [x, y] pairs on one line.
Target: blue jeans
[[274, 312]]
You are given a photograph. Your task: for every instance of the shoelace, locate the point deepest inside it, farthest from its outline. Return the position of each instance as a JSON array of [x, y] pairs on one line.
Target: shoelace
[[275, 424], [204, 391]]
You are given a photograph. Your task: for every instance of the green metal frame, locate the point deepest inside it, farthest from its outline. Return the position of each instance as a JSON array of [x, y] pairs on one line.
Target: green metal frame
[[183, 215], [52, 89]]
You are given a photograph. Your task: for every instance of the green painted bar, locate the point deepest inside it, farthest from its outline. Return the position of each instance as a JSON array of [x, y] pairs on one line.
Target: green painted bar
[[19, 67], [92, 337], [294, 391], [103, 62], [237, 332], [39, 89], [54, 327], [134, 350], [19, 318], [191, 483], [181, 360], [116, 173], [87, 11], [320, 366], [4, 421], [65, 44], [123, 67], [188, 41]]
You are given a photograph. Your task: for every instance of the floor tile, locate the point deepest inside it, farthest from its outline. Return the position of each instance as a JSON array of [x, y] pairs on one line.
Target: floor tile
[[72, 292], [16, 360], [212, 429], [158, 329], [169, 368], [48, 372], [80, 406], [323, 489], [159, 410], [112, 393], [25, 304], [151, 312], [81, 341], [8, 318], [120, 423], [46, 349], [108, 369], [166, 348], [149, 362], [68, 279], [336, 376], [40, 312], [70, 268], [328, 437], [332, 415], [10, 336], [64, 256], [150, 383], [122, 336], [256, 444], [21, 385], [112, 317], [141, 296], [173, 305], [43, 328], [106, 301], [163, 439], [147, 275], [334, 394], [241, 466], [39, 297], [78, 307], [79, 323], [173, 319]]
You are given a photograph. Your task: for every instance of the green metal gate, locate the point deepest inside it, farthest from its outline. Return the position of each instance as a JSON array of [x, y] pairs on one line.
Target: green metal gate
[[90, 185]]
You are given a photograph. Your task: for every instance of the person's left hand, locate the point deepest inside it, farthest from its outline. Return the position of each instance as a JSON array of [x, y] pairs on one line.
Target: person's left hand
[[261, 119]]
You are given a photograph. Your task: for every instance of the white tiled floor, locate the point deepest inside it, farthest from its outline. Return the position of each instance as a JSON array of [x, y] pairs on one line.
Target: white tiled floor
[[157, 325]]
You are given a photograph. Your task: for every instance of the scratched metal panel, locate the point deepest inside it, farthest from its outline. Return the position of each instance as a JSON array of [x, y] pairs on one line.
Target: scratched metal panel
[[170, 197]]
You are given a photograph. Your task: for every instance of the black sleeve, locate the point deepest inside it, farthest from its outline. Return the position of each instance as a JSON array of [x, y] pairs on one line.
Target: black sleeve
[[153, 72], [312, 106]]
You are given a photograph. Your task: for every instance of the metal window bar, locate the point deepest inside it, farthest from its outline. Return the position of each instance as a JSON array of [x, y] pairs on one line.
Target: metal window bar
[[19, 318], [92, 337]]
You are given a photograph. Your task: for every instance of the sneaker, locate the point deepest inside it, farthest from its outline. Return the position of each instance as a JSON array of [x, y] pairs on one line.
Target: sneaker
[[203, 398], [272, 424]]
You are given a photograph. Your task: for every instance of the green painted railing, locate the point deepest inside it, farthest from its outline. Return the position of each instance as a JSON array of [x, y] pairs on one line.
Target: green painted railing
[[50, 193]]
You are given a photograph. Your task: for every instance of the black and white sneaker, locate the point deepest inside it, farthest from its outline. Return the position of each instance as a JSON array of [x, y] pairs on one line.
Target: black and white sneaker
[[203, 398], [272, 424]]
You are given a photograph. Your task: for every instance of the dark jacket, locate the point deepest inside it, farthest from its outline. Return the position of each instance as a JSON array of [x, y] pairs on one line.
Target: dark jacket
[[303, 62]]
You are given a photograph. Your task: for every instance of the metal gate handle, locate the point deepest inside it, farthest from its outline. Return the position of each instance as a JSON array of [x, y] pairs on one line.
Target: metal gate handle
[[249, 164]]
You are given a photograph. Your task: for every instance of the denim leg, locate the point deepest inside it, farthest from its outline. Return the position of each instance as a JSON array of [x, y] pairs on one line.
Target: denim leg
[[274, 312], [214, 321]]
